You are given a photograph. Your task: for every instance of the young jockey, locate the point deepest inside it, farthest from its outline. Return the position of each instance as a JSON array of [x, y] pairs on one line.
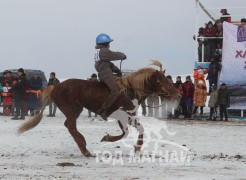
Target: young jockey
[[105, 69]]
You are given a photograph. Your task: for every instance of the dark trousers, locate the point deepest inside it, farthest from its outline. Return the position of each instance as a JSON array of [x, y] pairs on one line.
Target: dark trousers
[[52, 109], [195, 109], [114, 93], [213, 112], [223, 111], [19, 108], [187, 111]]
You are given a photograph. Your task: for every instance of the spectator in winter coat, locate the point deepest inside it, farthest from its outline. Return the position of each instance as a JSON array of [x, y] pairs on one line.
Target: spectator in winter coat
[[213, 104], [19, 90], [7, 98], [105, 68], [202, 45], [225, 16], [1, 88], [199, 99], [223, 101], [7, 76], [179, 110], [213, 72], [188, 93], [210, 32], [218, 33], [34, 98], [52, 106], [217, 53]]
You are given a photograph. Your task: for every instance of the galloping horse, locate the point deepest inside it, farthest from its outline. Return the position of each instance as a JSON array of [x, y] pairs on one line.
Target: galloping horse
[[72, 95]]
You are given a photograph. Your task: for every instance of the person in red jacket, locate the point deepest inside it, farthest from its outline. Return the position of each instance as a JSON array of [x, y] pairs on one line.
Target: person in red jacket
[[7, 98], [225, 16], [210, 32], [188, 93]]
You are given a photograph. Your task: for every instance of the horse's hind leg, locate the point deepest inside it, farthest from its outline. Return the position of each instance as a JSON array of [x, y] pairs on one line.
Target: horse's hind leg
[[125, 132], [72, 113], [79, 138]]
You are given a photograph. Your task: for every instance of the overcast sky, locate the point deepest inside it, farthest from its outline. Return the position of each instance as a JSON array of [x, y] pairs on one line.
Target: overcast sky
[[59, 35]]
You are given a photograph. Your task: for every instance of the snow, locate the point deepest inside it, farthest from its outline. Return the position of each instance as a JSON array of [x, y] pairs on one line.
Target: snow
[[216, 150]]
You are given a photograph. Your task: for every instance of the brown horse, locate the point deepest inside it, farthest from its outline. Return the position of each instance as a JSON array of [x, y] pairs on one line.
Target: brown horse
[[72, 95]]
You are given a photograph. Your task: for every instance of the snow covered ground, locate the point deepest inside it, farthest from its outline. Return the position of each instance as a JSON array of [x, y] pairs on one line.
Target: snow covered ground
[[173, 149]]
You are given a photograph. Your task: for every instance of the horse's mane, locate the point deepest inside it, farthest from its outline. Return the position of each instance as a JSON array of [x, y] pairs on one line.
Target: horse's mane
[[137, 79]]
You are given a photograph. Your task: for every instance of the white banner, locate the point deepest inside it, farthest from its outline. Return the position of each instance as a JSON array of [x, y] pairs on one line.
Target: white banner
[[233, 55], [233, 71]]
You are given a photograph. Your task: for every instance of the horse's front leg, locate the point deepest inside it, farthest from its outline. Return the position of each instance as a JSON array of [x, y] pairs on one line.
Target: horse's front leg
[[125, 132], [135, 123]]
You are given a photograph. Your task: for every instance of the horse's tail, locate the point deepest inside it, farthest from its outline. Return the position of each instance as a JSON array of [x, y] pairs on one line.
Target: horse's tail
[[34, 121]]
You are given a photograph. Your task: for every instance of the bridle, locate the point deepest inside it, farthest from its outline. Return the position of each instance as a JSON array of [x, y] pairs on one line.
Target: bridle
[[149, 91]]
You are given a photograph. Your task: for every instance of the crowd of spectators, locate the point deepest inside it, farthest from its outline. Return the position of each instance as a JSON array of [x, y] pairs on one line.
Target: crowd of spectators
[[210, 38], [193, 98], [20, 95]]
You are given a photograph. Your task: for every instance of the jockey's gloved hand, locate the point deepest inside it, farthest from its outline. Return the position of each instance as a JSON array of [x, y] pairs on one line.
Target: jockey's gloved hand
[[119, 74], [124, 57]]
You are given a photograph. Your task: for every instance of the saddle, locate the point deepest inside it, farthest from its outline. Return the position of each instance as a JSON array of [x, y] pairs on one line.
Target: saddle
[[120, 84]]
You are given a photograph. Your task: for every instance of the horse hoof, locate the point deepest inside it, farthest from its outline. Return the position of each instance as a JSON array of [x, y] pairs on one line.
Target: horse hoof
[[137, 148], [89, 155], [105, 138]]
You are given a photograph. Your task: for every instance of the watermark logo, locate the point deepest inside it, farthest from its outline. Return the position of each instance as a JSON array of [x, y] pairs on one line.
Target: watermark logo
[[156, 149]]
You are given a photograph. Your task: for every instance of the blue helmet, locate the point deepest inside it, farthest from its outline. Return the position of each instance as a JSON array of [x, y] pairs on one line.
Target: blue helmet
[[103, 38]]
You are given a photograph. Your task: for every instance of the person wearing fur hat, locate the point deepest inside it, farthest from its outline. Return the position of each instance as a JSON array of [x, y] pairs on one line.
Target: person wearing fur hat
[[19, 90]]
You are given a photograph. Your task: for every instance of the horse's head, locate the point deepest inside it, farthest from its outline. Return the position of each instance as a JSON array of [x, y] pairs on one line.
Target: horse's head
[[148, 81], [163, 87]]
